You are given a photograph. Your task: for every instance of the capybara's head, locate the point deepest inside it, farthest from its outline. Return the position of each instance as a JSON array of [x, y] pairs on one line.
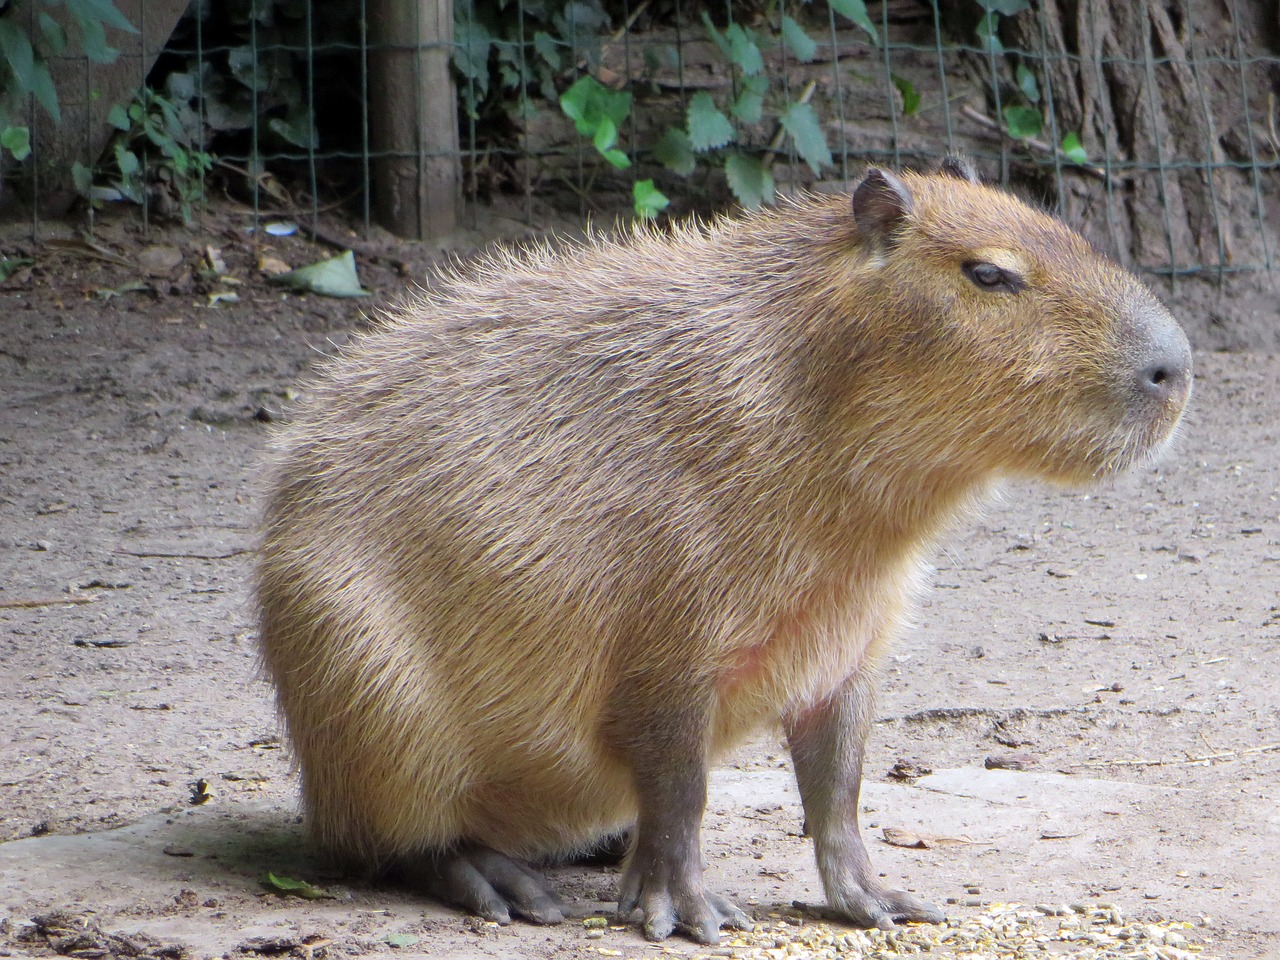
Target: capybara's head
[[1061, 364]]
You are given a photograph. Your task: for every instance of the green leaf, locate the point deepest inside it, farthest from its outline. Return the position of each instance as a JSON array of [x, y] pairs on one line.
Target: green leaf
[[127, 161], [243, 62], [1028, 84], [20, 56], [93, 38], [617, 159], [749, 107], [856, 11], [118, 117], [749, 179], [1007, 7], [988, 33], [910, 96], [547, 48], [54, 36], [647, 199], [1074, 149], [743, 50], [720, 39], [101, 11], [660, 56], [801, 122], [401, 940], [287, 885], [674, 151], [801, 46], [17, 140], [1022, 122], [298, 130], [589, 101], [335, 277], [82, 177], [708, 127], [606, 135], [45, 91], [11, 265]]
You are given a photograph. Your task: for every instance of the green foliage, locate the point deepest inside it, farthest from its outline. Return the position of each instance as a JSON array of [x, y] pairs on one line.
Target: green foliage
[[1074, 149], [749, 179], [156, 141], [1022, 120], [855, 11], [801, 122], [509, 66], [24, 60], [709, 129], [649, 200], [598, 112], [799, 44], [910, 96]]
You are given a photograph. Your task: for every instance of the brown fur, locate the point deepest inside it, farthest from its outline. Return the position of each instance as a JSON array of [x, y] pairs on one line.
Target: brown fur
[[561, 486]]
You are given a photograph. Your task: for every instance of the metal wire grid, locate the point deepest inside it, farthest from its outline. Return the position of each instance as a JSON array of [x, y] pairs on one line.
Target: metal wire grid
[[1261, 172]]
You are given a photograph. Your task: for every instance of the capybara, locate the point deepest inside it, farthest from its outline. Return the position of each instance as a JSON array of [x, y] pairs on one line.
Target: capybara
[[561, 531]]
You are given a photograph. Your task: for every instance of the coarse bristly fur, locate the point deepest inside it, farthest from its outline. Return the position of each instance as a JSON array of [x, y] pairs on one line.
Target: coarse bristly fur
[[570, 479]]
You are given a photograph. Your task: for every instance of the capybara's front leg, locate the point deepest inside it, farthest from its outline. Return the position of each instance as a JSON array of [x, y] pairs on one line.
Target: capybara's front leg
[[663, 874], [827, 742]]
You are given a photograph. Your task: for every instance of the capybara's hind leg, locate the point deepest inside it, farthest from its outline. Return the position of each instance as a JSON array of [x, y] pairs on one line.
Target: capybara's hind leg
[[484, 882]]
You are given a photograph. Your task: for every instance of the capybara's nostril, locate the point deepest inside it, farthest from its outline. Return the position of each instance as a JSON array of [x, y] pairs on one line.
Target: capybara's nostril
[[1157, 380]]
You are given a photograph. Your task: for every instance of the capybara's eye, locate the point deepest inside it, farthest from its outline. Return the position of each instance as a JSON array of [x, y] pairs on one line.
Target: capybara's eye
[[987, 276]]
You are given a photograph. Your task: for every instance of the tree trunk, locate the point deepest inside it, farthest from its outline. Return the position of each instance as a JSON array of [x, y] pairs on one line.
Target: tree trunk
[[413, 117], [1129, 78]]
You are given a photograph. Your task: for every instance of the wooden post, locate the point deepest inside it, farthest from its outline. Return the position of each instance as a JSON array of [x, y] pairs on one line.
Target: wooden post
[[87, 92], [413, 117]]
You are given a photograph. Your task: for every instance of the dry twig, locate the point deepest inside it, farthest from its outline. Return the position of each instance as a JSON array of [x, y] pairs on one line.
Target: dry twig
[[42, 602]]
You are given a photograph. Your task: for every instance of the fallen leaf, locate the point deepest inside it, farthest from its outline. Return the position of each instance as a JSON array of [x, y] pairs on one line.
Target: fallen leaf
[[294, 888], [899, 837], [272, 266], [335, 277], [159, 259], [213, 261]]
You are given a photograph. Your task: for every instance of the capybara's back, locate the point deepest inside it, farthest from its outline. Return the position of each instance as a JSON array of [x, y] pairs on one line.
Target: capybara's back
[[549, 539]]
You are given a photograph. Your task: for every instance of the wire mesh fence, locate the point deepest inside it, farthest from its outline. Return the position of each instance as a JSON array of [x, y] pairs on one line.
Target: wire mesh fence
[[1152, 125]]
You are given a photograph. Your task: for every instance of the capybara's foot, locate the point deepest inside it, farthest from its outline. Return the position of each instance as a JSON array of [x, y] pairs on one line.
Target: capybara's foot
[[878, 907], [669, 903], [486, 883]]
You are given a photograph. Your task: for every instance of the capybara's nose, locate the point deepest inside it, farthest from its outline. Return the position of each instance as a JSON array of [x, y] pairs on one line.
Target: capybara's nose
[[1163, 360]]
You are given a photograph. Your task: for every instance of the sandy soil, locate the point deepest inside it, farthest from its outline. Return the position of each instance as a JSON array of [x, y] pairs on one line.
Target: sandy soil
[[1122, 639]]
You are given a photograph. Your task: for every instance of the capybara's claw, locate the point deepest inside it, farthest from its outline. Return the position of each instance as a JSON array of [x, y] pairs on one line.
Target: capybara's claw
[[882, 908]]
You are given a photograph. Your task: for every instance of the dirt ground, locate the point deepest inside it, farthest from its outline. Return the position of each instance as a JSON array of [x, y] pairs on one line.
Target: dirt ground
[[1118, 644]]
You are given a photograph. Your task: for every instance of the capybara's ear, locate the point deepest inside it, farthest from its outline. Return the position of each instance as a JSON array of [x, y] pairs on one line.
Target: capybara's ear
[[880, 203], [959, 167]]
